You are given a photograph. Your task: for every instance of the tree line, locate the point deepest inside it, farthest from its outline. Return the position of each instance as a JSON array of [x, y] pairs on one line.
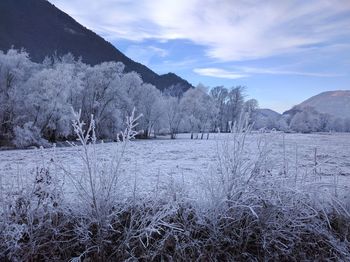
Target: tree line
[[38, 99]]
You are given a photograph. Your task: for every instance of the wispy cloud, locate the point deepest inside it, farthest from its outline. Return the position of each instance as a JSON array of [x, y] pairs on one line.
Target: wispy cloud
[[229, 30], [166, 66], [144, 54], [219, 73], [158, 51], [241, 72], [272, 71]]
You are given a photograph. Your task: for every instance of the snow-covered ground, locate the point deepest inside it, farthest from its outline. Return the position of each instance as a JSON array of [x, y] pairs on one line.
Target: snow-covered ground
[[184, 164]]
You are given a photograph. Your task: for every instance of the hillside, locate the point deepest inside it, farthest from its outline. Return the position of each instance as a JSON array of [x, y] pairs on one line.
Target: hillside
[[265, 112], [42, 29], [335, 103], [266, 118]]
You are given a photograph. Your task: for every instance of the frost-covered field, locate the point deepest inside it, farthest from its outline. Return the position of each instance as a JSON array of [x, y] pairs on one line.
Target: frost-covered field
[[233, 197], [183, 165]]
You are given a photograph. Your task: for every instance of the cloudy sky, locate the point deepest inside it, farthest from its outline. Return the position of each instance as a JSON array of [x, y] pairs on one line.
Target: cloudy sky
[[282, 51]]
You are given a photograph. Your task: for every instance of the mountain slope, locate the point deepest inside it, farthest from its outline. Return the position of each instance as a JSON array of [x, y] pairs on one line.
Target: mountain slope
[[266, 118], [265, 112], [335, 103], [43, 29]]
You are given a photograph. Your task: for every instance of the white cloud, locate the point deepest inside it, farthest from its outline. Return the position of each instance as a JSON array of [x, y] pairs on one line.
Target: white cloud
[[241, 72], [273, 71], [231, 30], [144, 54], [165, 66], [218, 73], [158, 51]]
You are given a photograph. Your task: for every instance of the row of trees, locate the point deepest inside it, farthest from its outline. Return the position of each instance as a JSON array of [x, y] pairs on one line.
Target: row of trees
[[305, 120], [37, 101], [309, 120]]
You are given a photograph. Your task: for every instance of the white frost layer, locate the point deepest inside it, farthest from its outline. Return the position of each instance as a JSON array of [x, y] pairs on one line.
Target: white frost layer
[[157, 165]]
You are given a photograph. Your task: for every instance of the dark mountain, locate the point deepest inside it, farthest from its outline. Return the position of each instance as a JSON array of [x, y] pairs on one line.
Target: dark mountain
[[334, 103], [43, 29]]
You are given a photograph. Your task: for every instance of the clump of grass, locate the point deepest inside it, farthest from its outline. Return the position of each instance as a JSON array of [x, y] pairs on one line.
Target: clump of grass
[[155, 231]]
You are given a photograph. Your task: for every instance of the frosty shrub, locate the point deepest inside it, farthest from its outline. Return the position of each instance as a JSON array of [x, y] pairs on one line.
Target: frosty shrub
[[34, 221], [28, 135], [99, 182], [260, 214], [97, 185]]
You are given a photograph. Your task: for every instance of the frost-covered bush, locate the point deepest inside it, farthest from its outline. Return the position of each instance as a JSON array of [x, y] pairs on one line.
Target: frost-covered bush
[[28, 135], [156, 231], [34, 221]]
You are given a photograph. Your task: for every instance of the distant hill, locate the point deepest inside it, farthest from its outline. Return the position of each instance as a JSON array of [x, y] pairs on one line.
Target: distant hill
[[266, 118], [43, 29], [268, 113], [335, 103]]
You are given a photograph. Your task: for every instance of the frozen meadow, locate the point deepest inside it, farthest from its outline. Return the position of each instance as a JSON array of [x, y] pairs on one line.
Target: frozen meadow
[[251, 196], [184, 164]]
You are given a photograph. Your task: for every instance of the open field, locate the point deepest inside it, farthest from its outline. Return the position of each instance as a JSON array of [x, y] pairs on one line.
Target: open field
[[239, 196], [187, 163]]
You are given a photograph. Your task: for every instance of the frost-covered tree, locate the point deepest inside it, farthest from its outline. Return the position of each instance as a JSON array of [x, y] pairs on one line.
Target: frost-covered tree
[[173, 114], [47, 105], [230, 104], [306, 121], [282, 124], [337, 124], [151, 106], [199, 110], [100, 97], [15, 68], [250, 106], [130, 92], [235, 104], [220, 97]]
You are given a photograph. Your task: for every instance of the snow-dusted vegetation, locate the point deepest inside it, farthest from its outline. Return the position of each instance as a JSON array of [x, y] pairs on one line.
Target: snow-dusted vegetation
[[37, 102], [129, 130], [237, 196], [221, 191]]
